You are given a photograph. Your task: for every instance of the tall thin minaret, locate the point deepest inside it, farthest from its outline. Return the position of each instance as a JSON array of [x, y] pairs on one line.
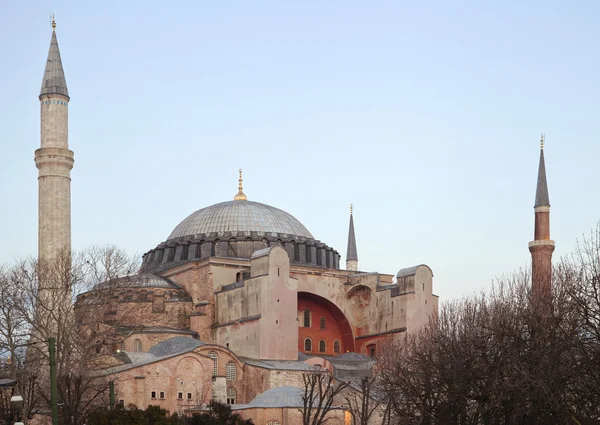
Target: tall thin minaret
[[54, 160], [351, 253], [542, 246]]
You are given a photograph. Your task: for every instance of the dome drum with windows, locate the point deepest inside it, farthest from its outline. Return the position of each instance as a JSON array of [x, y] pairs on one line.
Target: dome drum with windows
[[236, 229]]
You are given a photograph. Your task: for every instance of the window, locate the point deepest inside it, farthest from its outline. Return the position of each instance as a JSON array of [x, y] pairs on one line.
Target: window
[[137, 346], [122, 402], [231, 395], [322, 323], [215, 358], [273, 422], [153, 394], [122, 346], [189, 396], [231, 371], [336, 346], [322, 346], [371, 350], [307, 344], [180, 396], [307, 318], [162, 395]]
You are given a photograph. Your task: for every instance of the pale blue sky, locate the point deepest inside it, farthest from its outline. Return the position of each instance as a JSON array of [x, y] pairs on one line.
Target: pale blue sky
[[426, 115]]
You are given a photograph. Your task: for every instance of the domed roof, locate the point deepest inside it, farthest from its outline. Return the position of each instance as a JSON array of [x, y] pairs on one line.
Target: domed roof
[[240, 216]]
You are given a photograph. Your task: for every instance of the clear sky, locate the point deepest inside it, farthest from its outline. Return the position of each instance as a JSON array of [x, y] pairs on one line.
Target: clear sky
[[425, 114]]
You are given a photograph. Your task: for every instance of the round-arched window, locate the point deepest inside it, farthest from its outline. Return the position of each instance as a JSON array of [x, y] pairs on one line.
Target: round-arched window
[[308, 344], [336, 346], [231, 395], [137, 346], [307, 318], [215, 358], [322, 346]]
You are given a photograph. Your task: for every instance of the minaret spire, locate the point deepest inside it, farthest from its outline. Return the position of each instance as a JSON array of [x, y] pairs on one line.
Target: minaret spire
[[542, 246], [54, 81], [351, 252], [541, 193]]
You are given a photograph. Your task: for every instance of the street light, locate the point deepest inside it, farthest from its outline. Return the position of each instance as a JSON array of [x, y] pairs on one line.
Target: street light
[[17, 402]]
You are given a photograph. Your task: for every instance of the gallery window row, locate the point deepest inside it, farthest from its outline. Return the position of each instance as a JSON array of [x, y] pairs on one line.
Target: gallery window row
[[322, 348]]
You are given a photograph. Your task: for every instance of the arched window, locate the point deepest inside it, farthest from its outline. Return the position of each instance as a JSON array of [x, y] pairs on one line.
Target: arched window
[[371, 350], [137, 346], [322, 346], [215, 358], [336, 346], [308, 344], [231, 371], [322, 324], [231, 395], [273, 422], [307, 318]]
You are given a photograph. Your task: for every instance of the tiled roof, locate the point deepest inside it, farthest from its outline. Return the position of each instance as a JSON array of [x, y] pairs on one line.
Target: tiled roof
[[175, 345]]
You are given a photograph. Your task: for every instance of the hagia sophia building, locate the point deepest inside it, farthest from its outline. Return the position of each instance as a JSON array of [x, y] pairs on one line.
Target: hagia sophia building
[[240, 299]]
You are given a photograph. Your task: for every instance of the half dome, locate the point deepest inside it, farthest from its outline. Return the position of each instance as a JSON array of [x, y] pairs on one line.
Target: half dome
[[239, 216]]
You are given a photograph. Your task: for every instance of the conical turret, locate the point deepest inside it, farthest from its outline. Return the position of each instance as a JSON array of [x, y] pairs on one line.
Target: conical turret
[[54, 81], [351, 252]]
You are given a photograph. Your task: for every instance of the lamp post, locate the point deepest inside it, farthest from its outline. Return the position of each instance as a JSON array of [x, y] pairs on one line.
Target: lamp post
[[17, 403]]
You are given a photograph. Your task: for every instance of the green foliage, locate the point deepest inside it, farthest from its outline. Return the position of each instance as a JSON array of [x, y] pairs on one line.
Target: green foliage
[[218, 414], [153, 415]]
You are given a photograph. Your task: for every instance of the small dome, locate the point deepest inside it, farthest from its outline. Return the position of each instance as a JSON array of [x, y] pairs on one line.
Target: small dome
[[240, 216], [143, 280]]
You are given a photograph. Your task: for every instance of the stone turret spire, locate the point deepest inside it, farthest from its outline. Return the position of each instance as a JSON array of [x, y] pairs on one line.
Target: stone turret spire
[[542, 246], [54, 160], [54, 81], [351, 252]]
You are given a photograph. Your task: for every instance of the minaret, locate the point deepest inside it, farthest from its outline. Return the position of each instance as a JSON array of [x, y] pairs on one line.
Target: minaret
[[351, 254], [542, 246], [54, 160]]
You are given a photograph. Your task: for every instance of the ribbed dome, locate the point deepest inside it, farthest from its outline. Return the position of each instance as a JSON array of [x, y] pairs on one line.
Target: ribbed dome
[[240, 216]]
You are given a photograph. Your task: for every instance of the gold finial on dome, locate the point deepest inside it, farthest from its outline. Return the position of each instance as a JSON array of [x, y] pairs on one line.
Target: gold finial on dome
[[53, 22], [542, 141], [240, 195]]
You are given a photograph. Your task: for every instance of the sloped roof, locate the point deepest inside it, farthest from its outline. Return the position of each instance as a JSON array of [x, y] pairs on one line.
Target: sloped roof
[[54, 81]]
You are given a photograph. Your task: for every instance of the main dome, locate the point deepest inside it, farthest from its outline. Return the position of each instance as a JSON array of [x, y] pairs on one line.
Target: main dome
[[239, 216]]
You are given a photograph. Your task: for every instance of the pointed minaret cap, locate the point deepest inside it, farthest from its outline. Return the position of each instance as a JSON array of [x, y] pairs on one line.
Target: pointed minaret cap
[[351, 252], [541, 193], [240, 195], [54, 81]]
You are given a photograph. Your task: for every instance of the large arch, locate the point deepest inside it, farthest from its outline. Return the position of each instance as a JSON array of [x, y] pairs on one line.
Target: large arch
[[337, 326]]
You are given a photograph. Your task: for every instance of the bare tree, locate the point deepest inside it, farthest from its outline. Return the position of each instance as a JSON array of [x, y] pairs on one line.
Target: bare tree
[[363, 403], [320, 391], [39, 305]]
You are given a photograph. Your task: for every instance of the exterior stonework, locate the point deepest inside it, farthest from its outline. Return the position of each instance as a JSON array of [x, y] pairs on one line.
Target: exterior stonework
[[222, 309]]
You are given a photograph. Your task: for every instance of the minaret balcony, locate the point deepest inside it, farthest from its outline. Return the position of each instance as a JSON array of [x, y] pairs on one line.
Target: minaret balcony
[[546, 242]]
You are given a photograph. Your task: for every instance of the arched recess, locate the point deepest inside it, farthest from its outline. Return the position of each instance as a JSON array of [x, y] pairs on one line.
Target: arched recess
[[338, 327]]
